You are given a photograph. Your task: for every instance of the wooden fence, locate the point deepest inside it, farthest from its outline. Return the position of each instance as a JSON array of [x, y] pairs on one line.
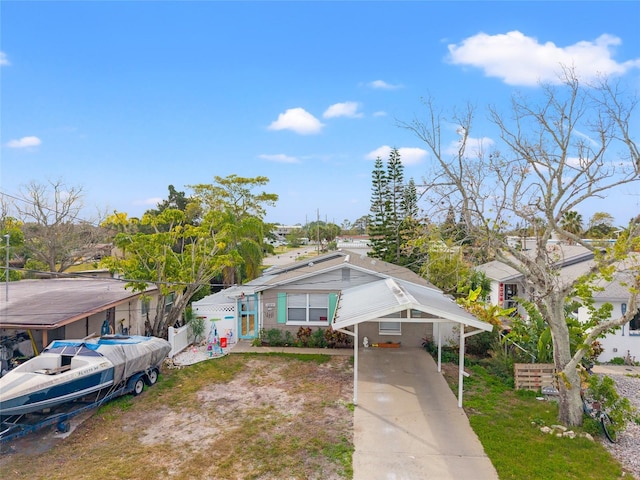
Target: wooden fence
[[534, 376]]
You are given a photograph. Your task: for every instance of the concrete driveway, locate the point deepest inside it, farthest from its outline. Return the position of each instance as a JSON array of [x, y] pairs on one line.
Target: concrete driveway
[[407, 424]]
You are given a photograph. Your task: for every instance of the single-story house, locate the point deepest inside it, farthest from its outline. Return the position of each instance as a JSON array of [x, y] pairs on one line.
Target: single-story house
[[53, 309], [625, 341], [346, 291], [508, 284]]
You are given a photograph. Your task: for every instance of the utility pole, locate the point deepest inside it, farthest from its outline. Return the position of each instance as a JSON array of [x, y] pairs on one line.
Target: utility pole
[[318, 228], [6, 293]]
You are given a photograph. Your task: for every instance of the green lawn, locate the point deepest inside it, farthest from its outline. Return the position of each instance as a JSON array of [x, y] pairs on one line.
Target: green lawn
[[508, 423]]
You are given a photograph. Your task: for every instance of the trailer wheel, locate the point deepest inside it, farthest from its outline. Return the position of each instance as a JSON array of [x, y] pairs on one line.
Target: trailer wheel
[[152, 377], [138, 386]]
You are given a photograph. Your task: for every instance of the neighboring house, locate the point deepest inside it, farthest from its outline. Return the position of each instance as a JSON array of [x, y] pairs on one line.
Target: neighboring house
[[55, 309], [508, 284], [625, 341]]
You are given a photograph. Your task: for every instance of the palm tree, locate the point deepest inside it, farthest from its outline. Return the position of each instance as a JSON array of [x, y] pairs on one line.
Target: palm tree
[[571, 222]]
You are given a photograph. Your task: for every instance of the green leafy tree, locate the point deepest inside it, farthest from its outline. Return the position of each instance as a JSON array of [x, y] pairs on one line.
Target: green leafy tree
[[322, 232], [177, 258], [244, 212], [571, 222], [181, 255], [473, 281], [600, 226], [176, 200], [442, 264], [361, 225], [9, 247]]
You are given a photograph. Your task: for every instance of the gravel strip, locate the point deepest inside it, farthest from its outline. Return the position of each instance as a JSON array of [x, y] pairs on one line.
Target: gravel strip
[[626, 450], [196, 354]]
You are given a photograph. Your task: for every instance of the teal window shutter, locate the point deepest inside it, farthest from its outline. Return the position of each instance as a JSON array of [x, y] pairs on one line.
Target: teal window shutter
[[282, 308], [333, 301]]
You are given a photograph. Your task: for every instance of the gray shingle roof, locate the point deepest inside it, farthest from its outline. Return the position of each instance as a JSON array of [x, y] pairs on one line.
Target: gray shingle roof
[[332, 261]]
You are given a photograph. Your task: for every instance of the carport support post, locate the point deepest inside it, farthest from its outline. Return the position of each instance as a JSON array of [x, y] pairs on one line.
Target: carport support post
[[355, 365], [461, 372], [439, 348], [461, 365]]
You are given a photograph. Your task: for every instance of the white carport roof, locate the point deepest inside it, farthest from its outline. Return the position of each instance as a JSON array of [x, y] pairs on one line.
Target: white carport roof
[[376, 300]]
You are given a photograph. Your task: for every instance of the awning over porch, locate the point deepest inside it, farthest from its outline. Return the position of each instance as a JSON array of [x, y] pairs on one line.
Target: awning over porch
[[376, 300]]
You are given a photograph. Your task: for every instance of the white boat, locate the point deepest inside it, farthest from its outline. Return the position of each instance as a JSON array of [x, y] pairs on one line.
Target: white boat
[[71, 369]]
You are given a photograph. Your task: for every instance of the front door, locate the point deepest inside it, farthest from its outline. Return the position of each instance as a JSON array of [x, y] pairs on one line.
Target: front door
[[248, 318]]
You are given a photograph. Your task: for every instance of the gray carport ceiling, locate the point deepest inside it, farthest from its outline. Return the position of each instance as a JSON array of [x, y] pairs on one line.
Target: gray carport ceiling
[[375, 300]]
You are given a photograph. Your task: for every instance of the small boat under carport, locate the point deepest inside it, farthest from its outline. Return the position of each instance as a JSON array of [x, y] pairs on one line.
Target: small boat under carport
[[387, 299]]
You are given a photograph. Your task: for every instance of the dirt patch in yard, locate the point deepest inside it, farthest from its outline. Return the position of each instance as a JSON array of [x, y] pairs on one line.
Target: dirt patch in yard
[[237, 417]]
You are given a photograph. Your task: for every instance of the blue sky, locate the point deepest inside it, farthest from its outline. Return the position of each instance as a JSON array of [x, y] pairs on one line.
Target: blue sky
[[125, 98]]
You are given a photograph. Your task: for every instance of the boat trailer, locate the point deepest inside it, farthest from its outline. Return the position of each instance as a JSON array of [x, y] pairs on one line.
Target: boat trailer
[[16, 426]]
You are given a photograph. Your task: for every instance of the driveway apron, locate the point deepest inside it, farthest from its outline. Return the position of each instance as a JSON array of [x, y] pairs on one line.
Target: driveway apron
[[407, 424]]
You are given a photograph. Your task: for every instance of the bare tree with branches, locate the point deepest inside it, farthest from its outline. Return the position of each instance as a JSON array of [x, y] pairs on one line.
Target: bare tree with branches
[[54, 233], [570, 145]]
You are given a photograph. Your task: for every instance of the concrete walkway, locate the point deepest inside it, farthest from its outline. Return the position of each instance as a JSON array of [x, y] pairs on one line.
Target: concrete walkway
[[407, 423]]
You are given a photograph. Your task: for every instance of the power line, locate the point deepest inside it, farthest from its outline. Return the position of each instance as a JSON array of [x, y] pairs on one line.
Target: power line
[[49, 209], [87, 276]]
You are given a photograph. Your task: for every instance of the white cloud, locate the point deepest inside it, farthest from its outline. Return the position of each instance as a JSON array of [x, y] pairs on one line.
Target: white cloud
[[382, 85], [279, 158], [380, 113], [344, 109], [474, 148], [24, 142], [521, 60], [4, 61], [408, 155], [297, 120], [412, 155]]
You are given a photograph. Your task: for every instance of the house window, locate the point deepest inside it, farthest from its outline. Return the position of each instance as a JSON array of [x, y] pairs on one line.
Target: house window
[[634, 324], [390, 328], [510, 292], [307, 308], [168, 302], [145, 305]]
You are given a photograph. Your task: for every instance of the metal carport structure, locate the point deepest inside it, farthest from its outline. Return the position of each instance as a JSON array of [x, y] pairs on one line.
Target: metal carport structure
[[376, 301]]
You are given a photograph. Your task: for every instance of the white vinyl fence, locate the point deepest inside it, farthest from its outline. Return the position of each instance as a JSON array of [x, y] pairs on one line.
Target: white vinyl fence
[[179, 338]]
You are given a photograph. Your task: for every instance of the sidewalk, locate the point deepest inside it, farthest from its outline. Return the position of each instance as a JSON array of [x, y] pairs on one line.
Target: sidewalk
[[617, 369], [244, 346]]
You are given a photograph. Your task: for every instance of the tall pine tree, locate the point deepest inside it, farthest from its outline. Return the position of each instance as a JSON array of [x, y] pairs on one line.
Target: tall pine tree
[[378, 220], [394, 212]]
